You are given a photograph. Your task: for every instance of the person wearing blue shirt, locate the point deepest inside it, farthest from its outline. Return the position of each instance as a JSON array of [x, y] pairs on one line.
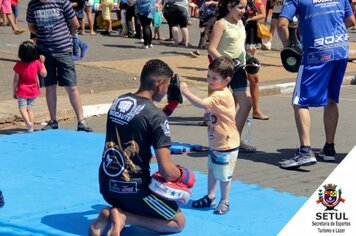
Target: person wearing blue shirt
[[323, 33]]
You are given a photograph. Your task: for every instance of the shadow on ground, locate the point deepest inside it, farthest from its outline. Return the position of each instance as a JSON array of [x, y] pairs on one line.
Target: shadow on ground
[[281, 155]]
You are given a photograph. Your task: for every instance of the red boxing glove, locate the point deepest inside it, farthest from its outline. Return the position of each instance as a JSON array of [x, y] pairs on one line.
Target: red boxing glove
[[187, 177], [170, 107]]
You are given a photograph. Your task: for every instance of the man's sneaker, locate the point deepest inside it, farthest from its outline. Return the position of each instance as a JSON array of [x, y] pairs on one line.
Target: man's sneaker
[[52, 124], [299, 159], [83, 127], [328, 153]]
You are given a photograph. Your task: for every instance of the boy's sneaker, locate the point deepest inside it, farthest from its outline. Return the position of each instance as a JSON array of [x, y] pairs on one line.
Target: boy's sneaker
[[83, 127], [299, 159], [328, 153], [222, 208], [52, 124], [84, 50]]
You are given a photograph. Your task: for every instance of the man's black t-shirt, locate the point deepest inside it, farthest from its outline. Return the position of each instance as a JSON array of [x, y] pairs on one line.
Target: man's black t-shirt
[[134, 124]]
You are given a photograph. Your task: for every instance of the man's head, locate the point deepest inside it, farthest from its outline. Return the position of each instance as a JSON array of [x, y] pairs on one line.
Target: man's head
[[155, 77], [220, 73]]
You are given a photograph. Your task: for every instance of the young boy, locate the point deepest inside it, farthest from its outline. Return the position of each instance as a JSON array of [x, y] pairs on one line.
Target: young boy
[[223, 136]]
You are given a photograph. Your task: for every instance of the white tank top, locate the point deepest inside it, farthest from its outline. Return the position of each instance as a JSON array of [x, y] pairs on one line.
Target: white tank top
[[232, 42]]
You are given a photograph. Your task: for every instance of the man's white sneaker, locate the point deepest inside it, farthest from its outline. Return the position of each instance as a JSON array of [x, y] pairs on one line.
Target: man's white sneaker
[[299, 159], [328, 153]]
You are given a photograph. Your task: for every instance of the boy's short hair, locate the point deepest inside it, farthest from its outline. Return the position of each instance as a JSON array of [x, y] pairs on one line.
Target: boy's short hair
[[151, 71], [224, 66], [28, 52]]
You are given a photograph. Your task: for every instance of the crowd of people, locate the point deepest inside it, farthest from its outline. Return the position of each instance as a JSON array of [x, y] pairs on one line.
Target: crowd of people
[[228, 30]]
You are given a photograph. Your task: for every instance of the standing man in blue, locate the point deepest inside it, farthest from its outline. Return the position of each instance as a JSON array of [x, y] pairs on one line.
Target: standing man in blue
[[53, 22], [323, 31]]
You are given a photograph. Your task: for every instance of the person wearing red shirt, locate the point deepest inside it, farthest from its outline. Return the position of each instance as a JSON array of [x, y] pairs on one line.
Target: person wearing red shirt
[[25, 87]]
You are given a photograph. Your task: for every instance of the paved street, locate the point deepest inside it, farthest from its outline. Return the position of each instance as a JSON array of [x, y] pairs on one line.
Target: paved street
[[276, 140]]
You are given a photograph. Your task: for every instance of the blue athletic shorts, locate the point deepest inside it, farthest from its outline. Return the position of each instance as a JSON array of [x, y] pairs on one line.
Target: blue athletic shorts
[[317, 83]]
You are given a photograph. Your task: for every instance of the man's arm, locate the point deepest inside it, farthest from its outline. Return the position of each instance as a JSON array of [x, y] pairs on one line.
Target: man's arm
[[32, 28], [193, 99], [73, 25], [283, 32], [350, 21], [166, 168]]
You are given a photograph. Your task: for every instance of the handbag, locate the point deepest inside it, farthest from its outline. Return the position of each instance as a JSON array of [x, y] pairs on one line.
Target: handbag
[[263, 31]]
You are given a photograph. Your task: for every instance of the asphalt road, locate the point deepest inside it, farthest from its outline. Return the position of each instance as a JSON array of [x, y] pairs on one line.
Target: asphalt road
[[276, 140]]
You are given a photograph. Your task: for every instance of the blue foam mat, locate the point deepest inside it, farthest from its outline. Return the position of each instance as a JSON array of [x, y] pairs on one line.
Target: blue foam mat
[[49, 181]]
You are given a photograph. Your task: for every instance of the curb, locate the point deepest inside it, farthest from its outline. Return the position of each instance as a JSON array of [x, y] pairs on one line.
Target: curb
[[101, 109], [276, 89]]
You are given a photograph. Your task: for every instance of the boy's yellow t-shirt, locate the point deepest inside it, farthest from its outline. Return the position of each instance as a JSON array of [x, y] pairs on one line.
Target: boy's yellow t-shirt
[[220, 112]]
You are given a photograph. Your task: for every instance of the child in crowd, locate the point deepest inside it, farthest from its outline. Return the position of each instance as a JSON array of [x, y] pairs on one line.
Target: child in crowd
[[88, 9], [2, 18], [123, 10], [106, 8], [207, 18], [224, 139], [79, 46], [5, 7], [25, 87], [157, 20], [15, 9]]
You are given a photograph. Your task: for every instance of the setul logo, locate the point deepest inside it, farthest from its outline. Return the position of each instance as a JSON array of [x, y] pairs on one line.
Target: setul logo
[[330, 198], [331, 220]]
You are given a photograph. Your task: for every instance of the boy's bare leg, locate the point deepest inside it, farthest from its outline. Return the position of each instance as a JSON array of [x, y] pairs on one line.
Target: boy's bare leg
[[212, 182], [225, 190], [99, 226]]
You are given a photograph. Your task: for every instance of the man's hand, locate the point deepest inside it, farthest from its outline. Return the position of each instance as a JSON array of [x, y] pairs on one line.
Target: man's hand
[[187, 177], [42, 59]]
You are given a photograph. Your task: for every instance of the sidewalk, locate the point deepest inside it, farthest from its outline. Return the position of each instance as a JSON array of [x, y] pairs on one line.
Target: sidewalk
[[273, 80]]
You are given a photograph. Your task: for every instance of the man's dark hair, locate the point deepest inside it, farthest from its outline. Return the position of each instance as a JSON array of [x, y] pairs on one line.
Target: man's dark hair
[[28, 52], [223, 66], [151, 71]]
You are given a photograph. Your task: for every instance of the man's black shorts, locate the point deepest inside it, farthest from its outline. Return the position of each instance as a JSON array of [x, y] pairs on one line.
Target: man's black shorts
[[148, 205]]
